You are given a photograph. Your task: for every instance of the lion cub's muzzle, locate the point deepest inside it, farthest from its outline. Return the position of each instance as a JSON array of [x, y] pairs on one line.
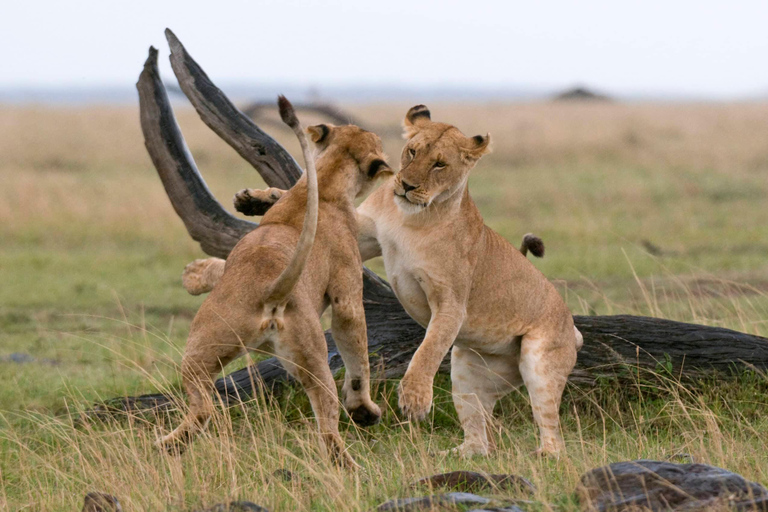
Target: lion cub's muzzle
[[403, 190]]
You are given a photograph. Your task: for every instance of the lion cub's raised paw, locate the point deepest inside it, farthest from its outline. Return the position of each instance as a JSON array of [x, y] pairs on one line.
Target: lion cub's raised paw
[[252, 201]]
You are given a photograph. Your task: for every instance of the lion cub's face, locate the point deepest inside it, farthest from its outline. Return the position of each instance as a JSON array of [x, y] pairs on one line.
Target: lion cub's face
[[435, 162], [341, 142]]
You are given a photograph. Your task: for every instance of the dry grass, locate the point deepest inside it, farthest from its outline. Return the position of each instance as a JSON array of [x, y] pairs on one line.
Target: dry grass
[[646, 209]]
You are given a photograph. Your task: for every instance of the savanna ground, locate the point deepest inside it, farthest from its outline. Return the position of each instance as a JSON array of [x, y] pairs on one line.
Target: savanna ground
[[645, 209]]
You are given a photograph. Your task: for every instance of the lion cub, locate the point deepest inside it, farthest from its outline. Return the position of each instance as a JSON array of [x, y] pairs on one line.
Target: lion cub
[[477, 296], [279, 279]]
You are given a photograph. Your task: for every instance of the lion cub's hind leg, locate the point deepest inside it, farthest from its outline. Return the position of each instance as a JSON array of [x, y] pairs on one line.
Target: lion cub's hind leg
[[546, 360], [210, 347], [478, 381], [201, 276], [304, 355]]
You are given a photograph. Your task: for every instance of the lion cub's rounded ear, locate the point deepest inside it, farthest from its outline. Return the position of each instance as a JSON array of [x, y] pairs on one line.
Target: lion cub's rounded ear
[[320, 134], [378, 167], [416, 118], [479, 146]]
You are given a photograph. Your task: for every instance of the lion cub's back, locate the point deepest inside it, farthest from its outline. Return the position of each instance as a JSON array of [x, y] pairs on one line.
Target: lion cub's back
[[507, 285], [256, 262]]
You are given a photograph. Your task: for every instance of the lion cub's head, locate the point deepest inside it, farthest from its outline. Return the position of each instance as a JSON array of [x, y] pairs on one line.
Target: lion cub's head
[[350, 144], [435, 162]]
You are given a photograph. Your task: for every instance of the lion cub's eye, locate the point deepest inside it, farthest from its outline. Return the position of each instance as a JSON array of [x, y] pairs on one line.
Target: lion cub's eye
[[440, 165], [411, 152]]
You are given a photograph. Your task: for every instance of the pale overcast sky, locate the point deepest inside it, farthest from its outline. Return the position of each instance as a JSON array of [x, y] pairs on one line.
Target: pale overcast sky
[[701, 47]]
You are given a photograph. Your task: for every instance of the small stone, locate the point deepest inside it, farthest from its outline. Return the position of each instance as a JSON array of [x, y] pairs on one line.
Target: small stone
[[235, 506], [511, 508], [470, 481], [284, 474], [430, 502], [101, 502], [658, 485], [20, 357]]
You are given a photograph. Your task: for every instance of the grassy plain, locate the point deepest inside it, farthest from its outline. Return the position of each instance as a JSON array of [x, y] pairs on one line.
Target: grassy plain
[[654, 209]]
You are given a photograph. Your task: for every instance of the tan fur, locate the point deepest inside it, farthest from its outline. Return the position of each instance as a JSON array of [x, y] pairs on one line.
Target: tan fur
[[230, 320], [468, 286]]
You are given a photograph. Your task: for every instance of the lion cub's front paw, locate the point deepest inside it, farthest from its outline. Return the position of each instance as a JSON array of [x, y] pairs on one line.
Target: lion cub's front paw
[[365, 414], [251, 201], [553, 451], [415, 397]]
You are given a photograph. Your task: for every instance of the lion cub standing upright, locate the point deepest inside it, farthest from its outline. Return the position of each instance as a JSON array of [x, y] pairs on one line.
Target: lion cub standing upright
[[279, 279], [468, 286]]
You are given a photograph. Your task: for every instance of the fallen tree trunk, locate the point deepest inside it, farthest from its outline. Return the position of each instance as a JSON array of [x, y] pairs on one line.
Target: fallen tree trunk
[[613, 344], [610, 342]]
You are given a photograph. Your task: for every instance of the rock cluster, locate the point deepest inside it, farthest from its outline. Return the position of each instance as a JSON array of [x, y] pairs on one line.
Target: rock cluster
[[659, 485], [619, 487]]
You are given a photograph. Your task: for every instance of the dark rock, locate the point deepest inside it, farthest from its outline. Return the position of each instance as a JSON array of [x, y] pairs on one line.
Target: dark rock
[[449, 501], [100, 502], [657, 485], [427, 502], [284, 475], [19, 357], [23, 357], [236, 506], [511, 508], [470, 481]]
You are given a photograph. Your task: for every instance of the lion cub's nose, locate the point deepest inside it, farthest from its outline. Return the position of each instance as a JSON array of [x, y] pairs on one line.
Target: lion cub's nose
[[407, 187]]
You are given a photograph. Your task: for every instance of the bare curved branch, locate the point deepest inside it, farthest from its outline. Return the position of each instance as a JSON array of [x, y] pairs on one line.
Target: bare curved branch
[[270, 159], [205, 219]]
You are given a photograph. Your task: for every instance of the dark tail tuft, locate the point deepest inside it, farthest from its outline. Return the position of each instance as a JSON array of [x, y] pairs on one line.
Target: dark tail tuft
[[533, 244], [287, 113]]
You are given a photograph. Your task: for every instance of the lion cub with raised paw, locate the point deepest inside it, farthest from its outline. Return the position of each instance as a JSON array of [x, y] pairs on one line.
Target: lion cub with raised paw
[[468, 286], [279, 279]]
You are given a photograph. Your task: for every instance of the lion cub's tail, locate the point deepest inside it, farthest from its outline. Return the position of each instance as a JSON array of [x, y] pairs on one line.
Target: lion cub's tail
[[533, 244], [277, 298]]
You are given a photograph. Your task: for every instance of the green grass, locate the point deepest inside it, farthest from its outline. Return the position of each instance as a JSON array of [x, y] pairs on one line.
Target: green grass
[[91, 255]]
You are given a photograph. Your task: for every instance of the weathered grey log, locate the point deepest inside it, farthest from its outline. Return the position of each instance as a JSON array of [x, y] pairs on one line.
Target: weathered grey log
[[614, 346], [610, 342]]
